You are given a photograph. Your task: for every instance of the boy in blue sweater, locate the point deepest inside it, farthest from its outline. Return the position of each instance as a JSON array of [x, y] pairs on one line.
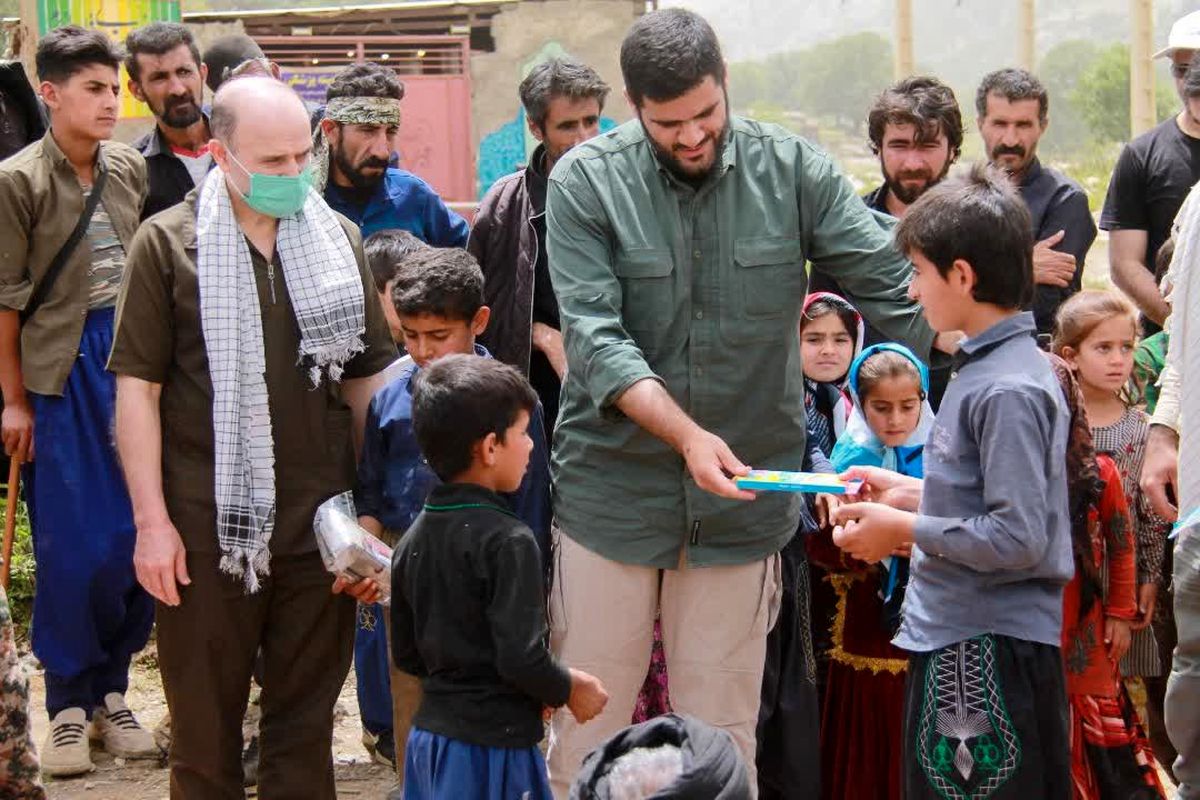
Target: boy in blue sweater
[[438, 298], [986, 707]]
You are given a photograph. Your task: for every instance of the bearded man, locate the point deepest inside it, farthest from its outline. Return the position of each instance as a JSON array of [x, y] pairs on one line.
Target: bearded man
[[354, 148], [915, 127], [165, 73]]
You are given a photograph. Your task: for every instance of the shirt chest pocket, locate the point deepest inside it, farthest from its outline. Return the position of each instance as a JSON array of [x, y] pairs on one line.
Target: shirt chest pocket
[[765, 288], [767, 270], [647, 289]]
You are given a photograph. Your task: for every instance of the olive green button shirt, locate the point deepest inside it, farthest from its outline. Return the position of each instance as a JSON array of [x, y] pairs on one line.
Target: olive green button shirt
[[159, 338], [699, 288], [40, 203]]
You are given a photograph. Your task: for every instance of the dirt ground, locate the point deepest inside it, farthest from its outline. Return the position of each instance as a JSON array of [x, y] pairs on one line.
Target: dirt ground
[[113, 779]]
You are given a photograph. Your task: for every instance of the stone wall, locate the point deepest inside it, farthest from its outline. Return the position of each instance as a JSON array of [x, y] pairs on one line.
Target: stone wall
[[526, 33]]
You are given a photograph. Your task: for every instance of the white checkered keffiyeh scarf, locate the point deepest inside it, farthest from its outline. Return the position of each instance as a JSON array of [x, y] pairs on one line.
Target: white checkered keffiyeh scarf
[[326, 291]]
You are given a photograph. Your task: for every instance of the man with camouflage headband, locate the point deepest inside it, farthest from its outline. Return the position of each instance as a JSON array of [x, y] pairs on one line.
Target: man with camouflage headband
[[353, 150]]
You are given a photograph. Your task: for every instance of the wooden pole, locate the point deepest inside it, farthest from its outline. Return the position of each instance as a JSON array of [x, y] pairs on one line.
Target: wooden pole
[[27, 36], [903, 64], [1142, 116], [10, 518], [1027, 30]]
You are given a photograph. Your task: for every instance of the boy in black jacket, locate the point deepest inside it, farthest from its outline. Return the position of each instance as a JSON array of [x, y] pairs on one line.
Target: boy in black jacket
[[467, 604]]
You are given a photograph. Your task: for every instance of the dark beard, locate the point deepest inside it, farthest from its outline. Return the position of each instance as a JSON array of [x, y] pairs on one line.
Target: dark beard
[[673, 165], [908, 194], [352, 171], [180, 114]]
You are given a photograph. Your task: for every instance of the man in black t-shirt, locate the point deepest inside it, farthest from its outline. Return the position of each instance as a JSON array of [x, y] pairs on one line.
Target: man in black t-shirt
[[1153, 176]]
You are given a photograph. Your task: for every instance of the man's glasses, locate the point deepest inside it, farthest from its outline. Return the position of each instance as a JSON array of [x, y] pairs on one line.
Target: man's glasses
[[1179, 71]]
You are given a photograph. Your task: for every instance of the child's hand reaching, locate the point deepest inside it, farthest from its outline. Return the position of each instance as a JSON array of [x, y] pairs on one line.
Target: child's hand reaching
[[1116, 636], [870, 531], [364, 590], [826, 506], [588, 696]]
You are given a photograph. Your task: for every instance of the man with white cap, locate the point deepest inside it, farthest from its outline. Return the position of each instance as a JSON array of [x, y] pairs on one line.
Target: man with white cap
[[1151, 180]]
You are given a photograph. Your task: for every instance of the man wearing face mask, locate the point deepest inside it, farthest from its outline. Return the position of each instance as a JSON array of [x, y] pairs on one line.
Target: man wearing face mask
[[247, 322], [165, 73], [354, 145], [1012, 110]]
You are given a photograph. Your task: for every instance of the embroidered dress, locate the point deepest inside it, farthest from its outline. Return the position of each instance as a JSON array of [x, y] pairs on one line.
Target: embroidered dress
[[862, 713], [1110, 755]]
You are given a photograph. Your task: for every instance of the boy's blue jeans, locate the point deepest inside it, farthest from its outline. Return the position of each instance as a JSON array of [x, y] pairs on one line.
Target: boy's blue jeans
[[372, 658]]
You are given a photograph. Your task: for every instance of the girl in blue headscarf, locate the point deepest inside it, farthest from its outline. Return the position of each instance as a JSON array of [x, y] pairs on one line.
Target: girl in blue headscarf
[[862, 714]]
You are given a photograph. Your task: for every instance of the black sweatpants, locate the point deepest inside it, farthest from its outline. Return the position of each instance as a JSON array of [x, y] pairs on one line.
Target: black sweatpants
[[789, 757], [987, 718]]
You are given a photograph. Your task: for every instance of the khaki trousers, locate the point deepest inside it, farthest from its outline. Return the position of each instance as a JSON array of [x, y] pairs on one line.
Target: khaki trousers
[[715, 622]]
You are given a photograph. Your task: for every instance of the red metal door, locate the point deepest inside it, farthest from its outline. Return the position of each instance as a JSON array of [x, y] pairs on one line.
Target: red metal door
[[435, 131]]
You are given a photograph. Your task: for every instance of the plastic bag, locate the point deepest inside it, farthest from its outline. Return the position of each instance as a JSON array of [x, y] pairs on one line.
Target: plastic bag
[[348, 550]]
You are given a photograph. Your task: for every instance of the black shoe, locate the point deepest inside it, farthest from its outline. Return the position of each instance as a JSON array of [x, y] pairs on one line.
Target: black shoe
[[250, 763], [385, 749]]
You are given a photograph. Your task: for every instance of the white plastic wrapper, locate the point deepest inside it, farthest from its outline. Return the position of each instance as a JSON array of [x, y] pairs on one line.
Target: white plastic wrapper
[[347, 549]]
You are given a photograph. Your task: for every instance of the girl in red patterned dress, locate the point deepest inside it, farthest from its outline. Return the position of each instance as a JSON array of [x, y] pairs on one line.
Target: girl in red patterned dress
[[1096, 335]]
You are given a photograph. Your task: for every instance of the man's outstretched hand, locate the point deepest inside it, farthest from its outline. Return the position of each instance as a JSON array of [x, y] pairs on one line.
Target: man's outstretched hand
[[711, 463]]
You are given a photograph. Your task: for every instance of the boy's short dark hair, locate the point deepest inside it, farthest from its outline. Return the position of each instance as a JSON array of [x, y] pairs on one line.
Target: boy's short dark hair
[[458, 400], [445, 281], [978, 217], [65, 51], [386, 250], [669, 52], [157, 39]]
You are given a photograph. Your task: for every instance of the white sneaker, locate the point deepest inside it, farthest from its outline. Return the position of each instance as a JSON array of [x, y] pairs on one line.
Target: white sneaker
[[123, 736], [65, 752]]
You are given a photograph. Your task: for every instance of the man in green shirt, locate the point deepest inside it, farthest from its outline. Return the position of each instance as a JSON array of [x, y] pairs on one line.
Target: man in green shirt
[[677, 247]]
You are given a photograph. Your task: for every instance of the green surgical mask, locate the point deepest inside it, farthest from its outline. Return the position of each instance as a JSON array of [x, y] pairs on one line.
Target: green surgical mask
[[277, 195]]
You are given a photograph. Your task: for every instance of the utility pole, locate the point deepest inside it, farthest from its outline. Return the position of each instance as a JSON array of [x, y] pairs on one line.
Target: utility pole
[[1027, 30], [902, 63], [1141, 67]]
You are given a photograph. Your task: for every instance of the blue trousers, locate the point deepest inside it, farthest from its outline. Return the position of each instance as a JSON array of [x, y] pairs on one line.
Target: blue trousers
[[90, 616], [439, 768], [371, 660]]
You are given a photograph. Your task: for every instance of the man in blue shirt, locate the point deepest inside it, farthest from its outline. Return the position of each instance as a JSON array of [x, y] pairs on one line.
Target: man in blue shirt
[[352, 151], [438, 298]]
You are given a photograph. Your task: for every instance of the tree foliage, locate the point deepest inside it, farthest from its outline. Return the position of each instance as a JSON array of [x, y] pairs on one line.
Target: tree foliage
[[1101, 95], [837, 80]]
